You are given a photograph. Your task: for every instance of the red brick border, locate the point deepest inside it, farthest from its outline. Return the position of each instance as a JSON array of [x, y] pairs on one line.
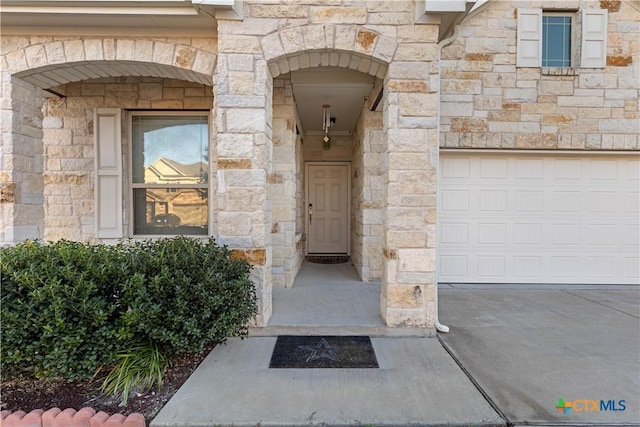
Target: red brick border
[[55, 417]]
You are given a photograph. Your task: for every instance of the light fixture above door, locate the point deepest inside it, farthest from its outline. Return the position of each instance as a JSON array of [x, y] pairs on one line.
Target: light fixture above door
[[327, 121]]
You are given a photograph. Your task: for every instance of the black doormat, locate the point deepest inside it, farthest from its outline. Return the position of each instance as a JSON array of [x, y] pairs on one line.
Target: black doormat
[[327, 259], [293, 351]]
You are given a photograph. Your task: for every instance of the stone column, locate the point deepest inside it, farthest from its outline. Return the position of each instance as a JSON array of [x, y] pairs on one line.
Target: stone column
[[410, 164], [21, 161], [283, 186], [243, 116]]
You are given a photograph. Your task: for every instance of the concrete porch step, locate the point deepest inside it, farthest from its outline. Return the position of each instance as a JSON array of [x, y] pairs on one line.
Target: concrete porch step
[[371, 331]]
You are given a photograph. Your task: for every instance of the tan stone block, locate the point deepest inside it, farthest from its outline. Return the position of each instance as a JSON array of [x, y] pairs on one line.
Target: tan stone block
[[503, 116], [109, 49], [416, 260], [232, 224], [344, 38], [16, 61], [498, 80], [7, 192], [242, 199], [539, 108], [619, 60], [483, 102], [418, 33], [241, 83], [410, 161], [405, 296], [390, 19], [365, 41], [406, 219], [36, 56], [163, 52], [536, 141], [68, 178], [249, 120], [555, 87], [252, 256], [338, 15], [461, 86], [406, 239], [405, 70], [314, 37], [412, 51], [55, 53], [204, 63], [292, 40], [463, 124], [418, 104], [184, 57], [278, 11], [384, 51], [239, 44], [554, 119], [234, 163]]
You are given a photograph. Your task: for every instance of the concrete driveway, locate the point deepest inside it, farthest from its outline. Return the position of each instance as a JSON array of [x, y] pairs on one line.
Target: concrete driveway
[[525, 349]]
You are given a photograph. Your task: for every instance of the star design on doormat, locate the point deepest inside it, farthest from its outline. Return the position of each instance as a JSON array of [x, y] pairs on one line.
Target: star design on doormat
[[319, 351]]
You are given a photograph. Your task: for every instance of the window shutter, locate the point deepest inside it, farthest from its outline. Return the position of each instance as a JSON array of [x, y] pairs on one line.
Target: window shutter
[[108, 161], [529, 43], [594, 38]]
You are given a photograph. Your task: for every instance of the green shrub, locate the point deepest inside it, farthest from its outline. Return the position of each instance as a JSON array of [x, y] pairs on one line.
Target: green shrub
[[69, 308], [193, 293], [58, 314]]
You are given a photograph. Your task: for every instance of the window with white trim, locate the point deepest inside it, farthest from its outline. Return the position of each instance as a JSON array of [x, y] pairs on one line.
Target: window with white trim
[[546, 38], [557, 40], [169, 173]]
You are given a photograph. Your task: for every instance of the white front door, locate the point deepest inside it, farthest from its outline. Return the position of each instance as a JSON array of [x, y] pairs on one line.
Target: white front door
[[328, 208]]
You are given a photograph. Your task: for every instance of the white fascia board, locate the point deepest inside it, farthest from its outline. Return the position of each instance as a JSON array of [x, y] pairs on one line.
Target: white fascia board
[[441, 6], [217, 3], [98, 10]]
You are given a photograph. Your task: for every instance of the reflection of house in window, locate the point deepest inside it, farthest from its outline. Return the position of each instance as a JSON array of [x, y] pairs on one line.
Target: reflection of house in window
[[165, 171], [175, 210]]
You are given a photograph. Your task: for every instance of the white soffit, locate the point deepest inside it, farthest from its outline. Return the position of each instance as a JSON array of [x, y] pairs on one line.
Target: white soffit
[[87, 17]]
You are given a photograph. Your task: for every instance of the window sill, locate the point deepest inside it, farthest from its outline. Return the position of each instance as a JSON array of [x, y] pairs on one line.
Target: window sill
[[558, 71]]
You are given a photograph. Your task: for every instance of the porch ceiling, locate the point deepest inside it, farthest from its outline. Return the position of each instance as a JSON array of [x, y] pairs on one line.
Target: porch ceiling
[[343, 89]]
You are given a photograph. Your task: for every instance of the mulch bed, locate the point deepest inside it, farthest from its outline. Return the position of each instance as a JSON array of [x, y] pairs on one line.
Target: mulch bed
[[29, 394]]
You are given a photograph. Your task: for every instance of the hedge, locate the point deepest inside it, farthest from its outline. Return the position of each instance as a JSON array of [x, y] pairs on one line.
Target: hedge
[[69, 308]]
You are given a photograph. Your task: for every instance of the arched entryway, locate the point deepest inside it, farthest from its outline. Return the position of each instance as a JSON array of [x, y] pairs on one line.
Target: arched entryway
[[53, 93]]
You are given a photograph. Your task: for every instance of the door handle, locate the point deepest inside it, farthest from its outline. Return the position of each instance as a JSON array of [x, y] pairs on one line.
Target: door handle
[[310, 213]]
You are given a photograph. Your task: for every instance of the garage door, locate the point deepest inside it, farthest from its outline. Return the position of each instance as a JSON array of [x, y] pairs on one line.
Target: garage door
[[532, 218]]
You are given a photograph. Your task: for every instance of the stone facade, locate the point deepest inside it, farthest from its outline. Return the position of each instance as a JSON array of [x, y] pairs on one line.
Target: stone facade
[[470, 94], [489, 103]]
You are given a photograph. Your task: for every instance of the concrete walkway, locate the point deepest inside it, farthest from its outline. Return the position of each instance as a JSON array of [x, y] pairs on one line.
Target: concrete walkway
[[508, 358]]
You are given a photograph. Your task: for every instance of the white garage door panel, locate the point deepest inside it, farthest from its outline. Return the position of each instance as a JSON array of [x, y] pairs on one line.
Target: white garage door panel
[[537, 218]]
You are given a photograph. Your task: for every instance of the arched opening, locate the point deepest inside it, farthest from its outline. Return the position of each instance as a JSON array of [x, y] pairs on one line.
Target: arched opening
[[56, 132]]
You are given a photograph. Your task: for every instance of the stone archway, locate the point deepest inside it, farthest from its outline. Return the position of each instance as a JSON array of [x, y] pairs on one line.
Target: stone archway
[[409, 160], [34, 63], [335, 46], [52, 63], [342, 46]]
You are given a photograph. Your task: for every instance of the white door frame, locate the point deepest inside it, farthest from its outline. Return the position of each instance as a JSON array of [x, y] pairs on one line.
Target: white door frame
[[306, 201]]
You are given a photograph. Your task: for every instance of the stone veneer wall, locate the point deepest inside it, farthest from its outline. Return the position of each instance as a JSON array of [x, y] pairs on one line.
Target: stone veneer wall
[[69, 143], [487, 102], [283, 190], [21, 161], [366, 195]]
